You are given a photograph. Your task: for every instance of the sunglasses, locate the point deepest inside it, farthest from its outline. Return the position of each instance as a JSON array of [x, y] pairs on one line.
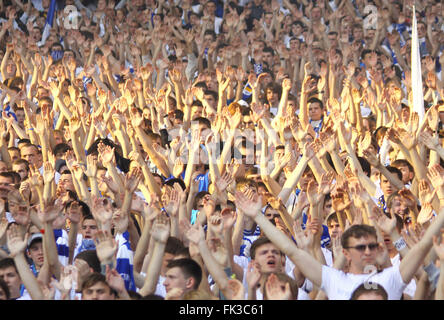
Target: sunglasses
[[362, 247]]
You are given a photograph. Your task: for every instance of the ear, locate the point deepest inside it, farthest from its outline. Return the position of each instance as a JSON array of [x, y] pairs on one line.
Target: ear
[[346, 254], [189, 283]]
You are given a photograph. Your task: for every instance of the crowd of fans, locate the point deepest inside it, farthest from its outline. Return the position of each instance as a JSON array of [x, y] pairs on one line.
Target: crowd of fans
[[193, 149]]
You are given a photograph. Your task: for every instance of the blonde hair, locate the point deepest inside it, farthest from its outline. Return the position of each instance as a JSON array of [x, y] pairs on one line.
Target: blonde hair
[[199, 294]]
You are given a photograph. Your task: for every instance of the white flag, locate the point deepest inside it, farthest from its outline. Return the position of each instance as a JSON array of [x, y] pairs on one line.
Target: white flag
[[417, 92]]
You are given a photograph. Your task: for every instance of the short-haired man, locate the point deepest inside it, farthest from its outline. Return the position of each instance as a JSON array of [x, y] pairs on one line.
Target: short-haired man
[[184, 274], [95, 287], [9, 274]]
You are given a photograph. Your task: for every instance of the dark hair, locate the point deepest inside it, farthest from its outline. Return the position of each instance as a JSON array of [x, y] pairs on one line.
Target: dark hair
[[189, 268], [357, 231], [365, 165], [366, 288], [185, 251], [61, 147], [203, 121], [332, 217], [86, 211], [198, 197], [90, 256], [380, 132], [212, 93], [172, 181], [94, 278], [395, 170], [402, 163], [257, 243], [178, 114], [269, 49], [23, 141], [134, 295], [173, 245], [316, 100], [21, 161], [8, 174], [6, 263]]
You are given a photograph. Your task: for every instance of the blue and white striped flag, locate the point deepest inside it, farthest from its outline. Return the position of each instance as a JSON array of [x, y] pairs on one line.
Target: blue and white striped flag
[[49, 21]]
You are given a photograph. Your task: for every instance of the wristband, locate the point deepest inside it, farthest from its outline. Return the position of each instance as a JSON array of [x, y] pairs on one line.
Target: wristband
[[42, 231], [400, 244]]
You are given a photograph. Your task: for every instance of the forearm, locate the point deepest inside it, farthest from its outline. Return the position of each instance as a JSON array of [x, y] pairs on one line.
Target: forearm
[[153, 272], [28, 278], [293, 180], [72, 238], [51, 250], [418, 164], [214, 268], [273, 187], [337, 162], [440, 286], [226, 151], [154, 157], [271, 133], [142, 246], [238, 233], [394, 180]]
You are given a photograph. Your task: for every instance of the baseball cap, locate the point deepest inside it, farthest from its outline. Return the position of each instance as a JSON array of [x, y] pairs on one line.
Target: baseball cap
[[34, 237]]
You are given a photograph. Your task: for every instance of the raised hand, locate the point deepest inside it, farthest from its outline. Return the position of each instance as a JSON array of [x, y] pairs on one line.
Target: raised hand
[[436, 176], [275, 290], [74, 212], [132, 179], [102, 213], [236, 290], [106, 247], [48, 172], [120, 221], [253, 275], [106, 154], [340, 200], [218, 251], [385, 224], [173, 203], [304, 239], [161, 229], [425, 194], [91, 166], [249, 202], [195, 234], [16, 243], [115, 280], [325, 186], [430, 140]]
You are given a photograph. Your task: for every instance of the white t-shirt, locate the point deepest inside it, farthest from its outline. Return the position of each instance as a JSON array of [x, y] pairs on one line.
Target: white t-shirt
[[411, 287], [340, 286]]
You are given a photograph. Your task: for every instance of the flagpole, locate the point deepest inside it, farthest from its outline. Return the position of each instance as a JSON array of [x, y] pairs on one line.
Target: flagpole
[[417, 89]]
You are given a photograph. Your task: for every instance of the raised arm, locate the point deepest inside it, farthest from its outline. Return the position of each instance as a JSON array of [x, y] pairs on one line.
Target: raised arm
[[160, 234], [17, 246], [251, 205]]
